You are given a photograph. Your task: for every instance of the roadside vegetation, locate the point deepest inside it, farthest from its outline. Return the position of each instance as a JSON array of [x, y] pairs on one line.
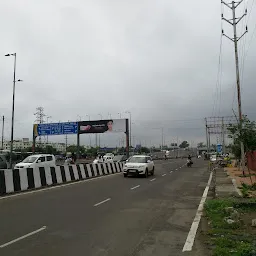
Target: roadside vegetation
[[230, 231]]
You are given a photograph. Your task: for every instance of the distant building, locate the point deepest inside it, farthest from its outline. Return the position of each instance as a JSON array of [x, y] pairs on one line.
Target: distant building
[[26, 143]]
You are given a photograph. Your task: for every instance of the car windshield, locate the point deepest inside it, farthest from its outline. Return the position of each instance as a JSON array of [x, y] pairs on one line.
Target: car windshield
[[137, 160], [29, 159]]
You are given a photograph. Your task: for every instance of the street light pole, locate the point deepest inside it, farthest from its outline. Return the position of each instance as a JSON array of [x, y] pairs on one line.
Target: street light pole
[[129, 112], [13, 104], [3, 134], [99, 134]]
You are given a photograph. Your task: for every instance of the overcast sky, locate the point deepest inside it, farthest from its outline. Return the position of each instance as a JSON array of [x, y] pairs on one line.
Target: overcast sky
[[157, 59]]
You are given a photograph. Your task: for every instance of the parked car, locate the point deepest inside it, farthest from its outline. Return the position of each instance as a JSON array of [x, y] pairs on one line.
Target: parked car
[[3, 162], [42, 160], [139, 165]]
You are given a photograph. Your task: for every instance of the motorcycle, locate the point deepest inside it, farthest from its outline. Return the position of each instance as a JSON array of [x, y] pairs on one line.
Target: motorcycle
[[189, 163]]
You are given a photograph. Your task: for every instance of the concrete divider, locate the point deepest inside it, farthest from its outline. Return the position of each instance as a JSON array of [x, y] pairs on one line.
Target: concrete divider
[[17, 180]]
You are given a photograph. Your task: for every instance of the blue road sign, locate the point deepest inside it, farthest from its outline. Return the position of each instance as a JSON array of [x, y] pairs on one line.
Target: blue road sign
[[57, 128], [219, 148]]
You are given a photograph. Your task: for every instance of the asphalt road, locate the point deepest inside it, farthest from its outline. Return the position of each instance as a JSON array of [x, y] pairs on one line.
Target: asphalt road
[[111, 215]]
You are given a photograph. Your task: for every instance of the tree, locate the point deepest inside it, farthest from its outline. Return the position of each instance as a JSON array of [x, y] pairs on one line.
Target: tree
[[50, 150], [92, 151], [201, 145], [144, 150], [246, 134], [184, 144]]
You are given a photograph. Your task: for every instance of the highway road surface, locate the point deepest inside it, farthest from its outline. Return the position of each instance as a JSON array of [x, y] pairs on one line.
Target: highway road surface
[[110, 215]]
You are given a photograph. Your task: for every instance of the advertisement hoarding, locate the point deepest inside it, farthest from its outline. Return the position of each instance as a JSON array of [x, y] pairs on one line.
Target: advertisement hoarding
[[102, 126]]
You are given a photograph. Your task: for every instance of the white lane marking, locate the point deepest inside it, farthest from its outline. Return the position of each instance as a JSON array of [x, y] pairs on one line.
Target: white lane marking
[[153, 179], [192, 232], [170, 171], [102, 202], [176, 169], [135, 187], [59, 186], [23, 237], [164, 174]]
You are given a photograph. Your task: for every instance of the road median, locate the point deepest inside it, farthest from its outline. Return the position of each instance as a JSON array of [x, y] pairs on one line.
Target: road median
[[18, 180]]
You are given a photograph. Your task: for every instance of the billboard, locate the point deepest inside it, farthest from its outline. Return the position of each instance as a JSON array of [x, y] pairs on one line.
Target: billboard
[[102, 126], [55, 129]]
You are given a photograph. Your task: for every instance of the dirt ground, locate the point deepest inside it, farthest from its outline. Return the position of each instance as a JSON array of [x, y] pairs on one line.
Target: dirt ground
[[248, 179]]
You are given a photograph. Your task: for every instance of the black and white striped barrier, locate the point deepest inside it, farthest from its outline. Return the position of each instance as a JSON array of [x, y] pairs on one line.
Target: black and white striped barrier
[[16, 180]]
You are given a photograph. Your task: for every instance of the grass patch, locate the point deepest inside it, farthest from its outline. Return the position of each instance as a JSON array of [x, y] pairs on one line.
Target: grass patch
[[238, 238]]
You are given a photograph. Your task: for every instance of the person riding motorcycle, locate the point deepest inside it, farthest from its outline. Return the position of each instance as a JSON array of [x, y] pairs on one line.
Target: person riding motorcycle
[[189, 161]]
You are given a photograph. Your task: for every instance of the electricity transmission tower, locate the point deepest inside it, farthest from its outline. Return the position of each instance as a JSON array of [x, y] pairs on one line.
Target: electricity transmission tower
[[218, 125], [233, 22], [39, 118]]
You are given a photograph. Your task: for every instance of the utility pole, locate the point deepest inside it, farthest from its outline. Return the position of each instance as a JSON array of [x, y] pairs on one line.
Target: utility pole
[[3, 133], [162, 137], [207, 136], [223, 136], [234, 21]]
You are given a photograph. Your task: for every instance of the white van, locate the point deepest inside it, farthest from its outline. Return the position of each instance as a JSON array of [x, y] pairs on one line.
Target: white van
[[43, 160]]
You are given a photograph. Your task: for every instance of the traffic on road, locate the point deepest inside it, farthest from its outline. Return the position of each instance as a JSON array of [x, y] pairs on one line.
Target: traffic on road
[[107, 215]]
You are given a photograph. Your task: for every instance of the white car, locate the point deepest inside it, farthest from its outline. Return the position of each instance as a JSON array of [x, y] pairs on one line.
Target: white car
[[213, 158], [108, 158], [43, 160], [139, 165]]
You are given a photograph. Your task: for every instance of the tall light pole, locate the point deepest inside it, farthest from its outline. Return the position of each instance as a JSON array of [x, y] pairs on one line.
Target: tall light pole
[[120, 115], [99, 134], [13, 102], [3, 134], [129, 112]]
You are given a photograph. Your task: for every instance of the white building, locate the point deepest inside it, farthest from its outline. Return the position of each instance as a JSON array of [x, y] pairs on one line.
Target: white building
[[26, 143]]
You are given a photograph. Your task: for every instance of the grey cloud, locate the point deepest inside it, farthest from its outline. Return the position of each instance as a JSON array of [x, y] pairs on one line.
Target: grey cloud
[[158, 59]]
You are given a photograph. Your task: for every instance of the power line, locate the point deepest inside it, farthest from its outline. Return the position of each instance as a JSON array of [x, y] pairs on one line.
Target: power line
[[217, 98], [254, 30]]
